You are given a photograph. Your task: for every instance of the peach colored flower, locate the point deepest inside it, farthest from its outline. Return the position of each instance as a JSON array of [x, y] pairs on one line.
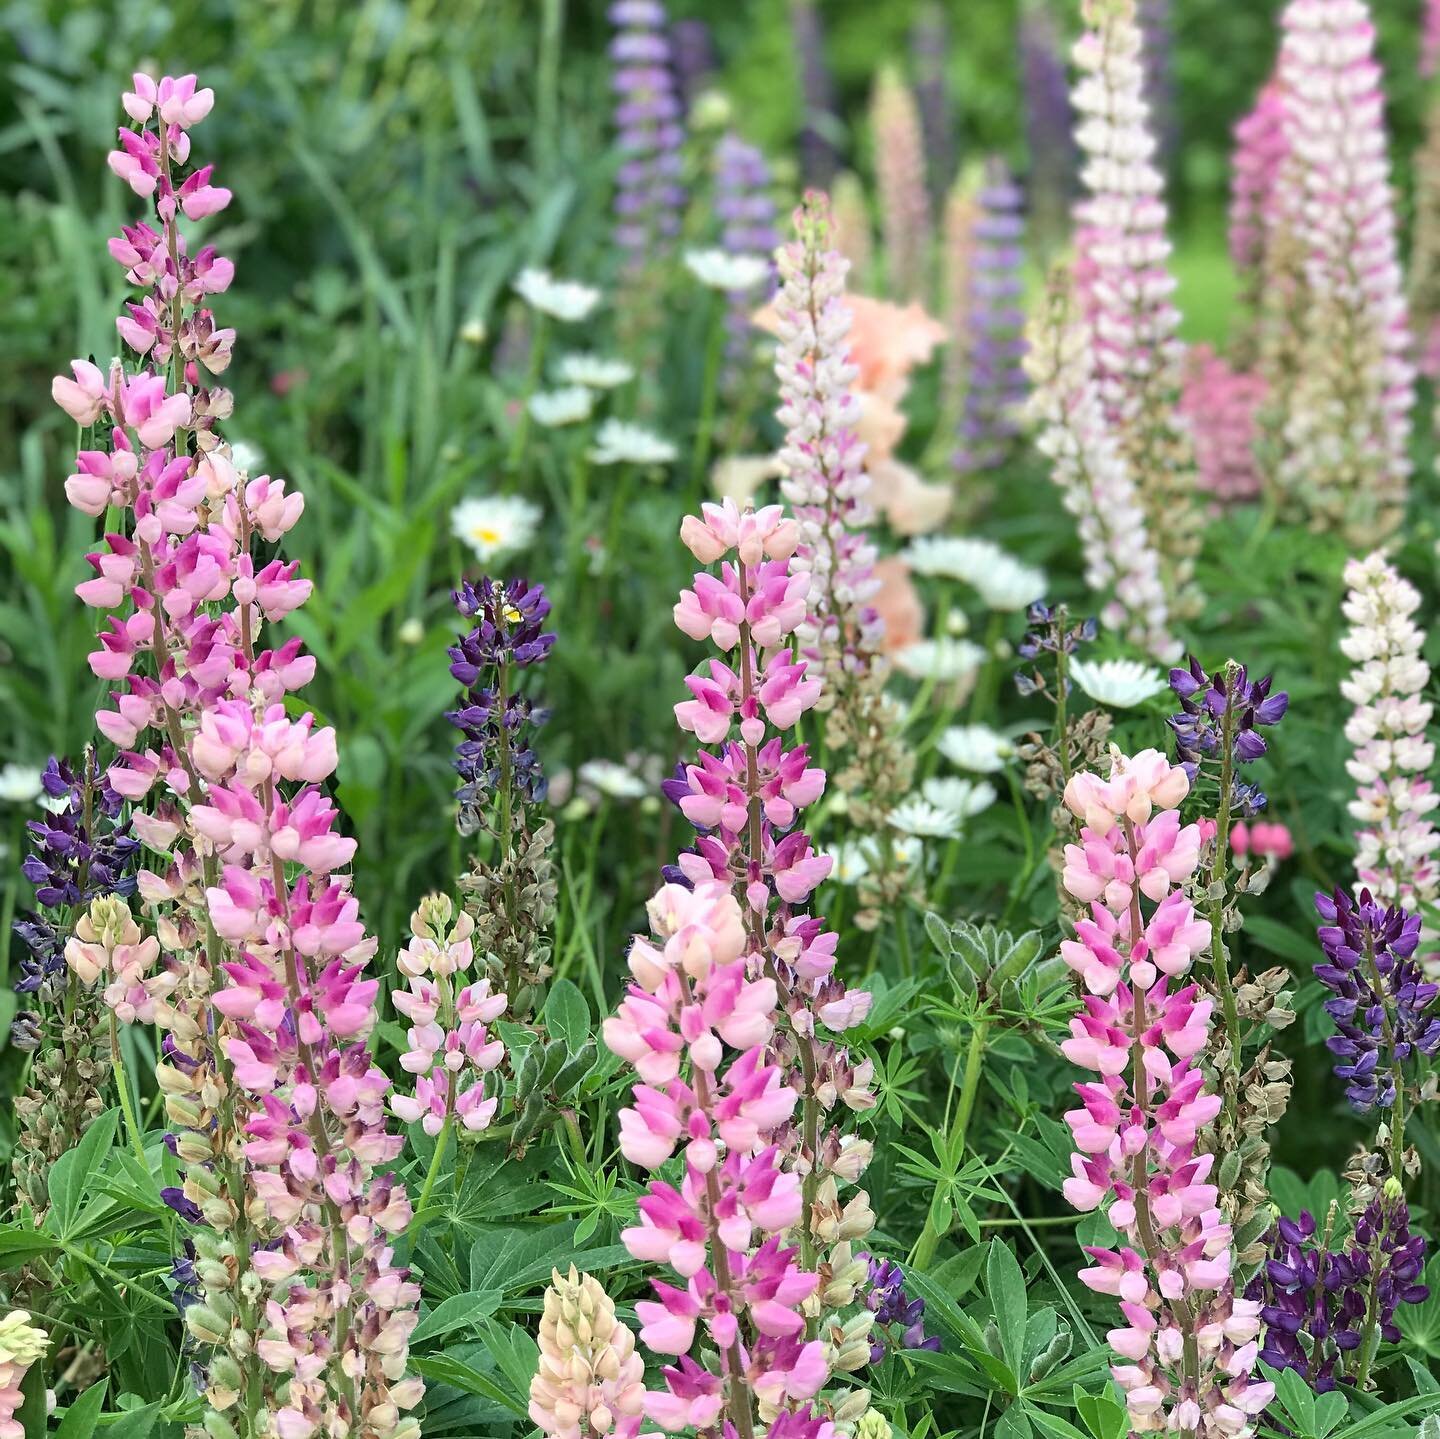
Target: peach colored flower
[[887, 342], [880, 426], [897, 602], [910, 505]]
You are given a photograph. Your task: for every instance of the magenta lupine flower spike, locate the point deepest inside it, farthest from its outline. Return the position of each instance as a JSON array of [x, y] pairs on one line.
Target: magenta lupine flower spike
[[1347, 441], [901, 185], [1396, 839], [1261, 148], [1126, 288], [1188, 1343], [1094, 477], [255, 968], [725, 1024]]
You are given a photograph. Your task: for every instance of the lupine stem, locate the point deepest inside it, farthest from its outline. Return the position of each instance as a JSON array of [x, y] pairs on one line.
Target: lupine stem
[[1219, 961]]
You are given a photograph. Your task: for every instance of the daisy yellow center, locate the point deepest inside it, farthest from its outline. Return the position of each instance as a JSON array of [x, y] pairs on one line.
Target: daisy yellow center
[[486, 534]]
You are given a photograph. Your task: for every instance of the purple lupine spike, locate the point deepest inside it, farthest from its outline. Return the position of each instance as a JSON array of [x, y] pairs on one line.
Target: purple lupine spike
[[819, 158], [1324, 1294], [1049, 123], [745, 208], [996, 384], [649, 194], [1205, 701], [930, 47], [496, 719], [693, 49], [894, 1309], [1383, 1009], [1157, 25]]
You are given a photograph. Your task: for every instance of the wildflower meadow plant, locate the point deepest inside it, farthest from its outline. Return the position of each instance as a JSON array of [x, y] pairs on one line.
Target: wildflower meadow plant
[[254, 963], [1186, 1352]]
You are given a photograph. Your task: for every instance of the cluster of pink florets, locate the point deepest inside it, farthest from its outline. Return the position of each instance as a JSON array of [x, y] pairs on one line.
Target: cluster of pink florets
[[1188, 1345]]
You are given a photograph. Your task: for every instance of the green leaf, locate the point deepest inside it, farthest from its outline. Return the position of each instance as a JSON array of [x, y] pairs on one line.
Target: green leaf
[[567, 1014], [1005, 1285], [460, 1311], [445, 1369], [70, 1175], [133, 1423], [81, 1417], [1281, 940], [1330, 1409]]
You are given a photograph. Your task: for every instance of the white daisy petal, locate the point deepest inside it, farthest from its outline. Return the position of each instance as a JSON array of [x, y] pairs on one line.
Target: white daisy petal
[[919, 817], [1121, 684], [565, 300], [554, 408], [962, 798], [1002, 581], [20, 783], [975, 747], [942, 659], [495, 525], [720, 270], [620, 443], [614, 780], [595, 372]]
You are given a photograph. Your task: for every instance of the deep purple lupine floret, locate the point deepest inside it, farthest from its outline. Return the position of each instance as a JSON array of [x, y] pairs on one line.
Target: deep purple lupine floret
[[1315, 1300], [497, 718], [892, 1307], [1381, 1003], [995, 383], [1051, 633], [1205, 702]]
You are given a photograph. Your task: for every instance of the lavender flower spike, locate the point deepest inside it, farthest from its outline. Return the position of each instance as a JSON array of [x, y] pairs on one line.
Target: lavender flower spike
[[996, 385], [648, 129]]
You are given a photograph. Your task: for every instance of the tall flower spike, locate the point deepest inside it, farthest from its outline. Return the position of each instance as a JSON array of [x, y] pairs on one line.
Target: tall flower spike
[[1094, 476], [648, 130], [901, 186], [590, 1381], [1127, 289], [1187, 1347], [1396, 840], [826, 483], [1049, 124], [255, 966], [1222, 405], [995, 385], [746, 211], [1261, 149], [726, 1021], [510, 892], [1347, 443]]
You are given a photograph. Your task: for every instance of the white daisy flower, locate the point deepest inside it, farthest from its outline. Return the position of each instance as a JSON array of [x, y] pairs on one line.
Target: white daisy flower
[[962, 798], [617, 781], [919, 817], [566, 300], [246, 458], [554, 408], [942, 659], [739, 477], [20, 783], [495, 525], [975, 747], [1002, 581], [595, 372], [720, 270], [620, 443], [1121, 684], [851, 862], [906, 850]]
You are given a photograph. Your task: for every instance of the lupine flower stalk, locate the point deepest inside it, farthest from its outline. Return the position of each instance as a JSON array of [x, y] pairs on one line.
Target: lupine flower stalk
[[725, 1022], [1347, 442], [1262, 148], [900, 183], [828, 488], [21, 1344], [510, 891], [1425, 237], [1126, 287], [1222, 406], [82, 850], [1396, 839], [1327, 1307], [746, 211], [255, 966], [649, 132], [1187, 1347], [819, 158], [451, 1048], [1157, 30], [591, 1382], [1094, 476], [850, 215], [1049, 124], [995, 386], [930, 48]]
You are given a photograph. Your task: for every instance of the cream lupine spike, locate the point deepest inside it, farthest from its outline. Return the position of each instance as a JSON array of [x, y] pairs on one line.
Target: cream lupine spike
[[21, 1344], [1094, 476], [1127, 287], [1396, 842], [590, 1381], [900, 180]]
